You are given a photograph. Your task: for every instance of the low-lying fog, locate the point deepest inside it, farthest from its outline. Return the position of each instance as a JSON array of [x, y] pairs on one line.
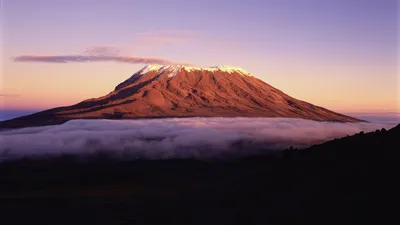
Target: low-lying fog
[[175, 138]]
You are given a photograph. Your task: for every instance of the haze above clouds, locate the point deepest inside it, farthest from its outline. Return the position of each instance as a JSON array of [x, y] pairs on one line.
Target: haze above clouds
[[175, 138]]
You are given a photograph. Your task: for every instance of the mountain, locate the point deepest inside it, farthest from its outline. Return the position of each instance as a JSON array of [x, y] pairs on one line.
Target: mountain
[[183, 91]]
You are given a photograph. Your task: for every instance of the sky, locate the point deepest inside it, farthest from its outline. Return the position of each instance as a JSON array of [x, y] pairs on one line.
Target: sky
[[339, 54]]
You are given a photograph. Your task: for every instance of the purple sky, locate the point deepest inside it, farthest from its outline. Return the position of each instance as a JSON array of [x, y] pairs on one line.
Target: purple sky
[[341, 54]]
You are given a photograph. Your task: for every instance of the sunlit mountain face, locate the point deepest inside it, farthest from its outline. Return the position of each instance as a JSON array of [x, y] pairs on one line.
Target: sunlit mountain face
[[184, 91]]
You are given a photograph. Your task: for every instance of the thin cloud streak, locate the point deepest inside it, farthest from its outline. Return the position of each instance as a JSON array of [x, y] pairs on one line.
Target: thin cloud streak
[[181, 38], [103, 51], [95, 58], [167, 37], [9, 95]]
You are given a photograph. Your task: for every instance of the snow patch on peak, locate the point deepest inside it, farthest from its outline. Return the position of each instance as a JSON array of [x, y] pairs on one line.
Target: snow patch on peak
[[149, 68], [173, 70], [231, 69]]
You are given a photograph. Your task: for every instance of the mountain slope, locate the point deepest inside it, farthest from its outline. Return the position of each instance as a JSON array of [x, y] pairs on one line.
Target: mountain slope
[[182, 91]]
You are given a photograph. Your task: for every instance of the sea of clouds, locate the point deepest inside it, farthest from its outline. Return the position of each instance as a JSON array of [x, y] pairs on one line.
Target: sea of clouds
[[175, 138]]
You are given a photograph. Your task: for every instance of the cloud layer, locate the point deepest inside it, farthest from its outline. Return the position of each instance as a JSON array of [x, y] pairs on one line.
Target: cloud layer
[[175, 138]]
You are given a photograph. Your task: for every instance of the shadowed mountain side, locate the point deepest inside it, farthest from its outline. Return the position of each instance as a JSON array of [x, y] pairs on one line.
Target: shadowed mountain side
[[179, 91], [351, 180]]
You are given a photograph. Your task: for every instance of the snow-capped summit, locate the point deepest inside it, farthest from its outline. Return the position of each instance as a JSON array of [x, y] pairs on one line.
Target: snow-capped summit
[[173, 70]]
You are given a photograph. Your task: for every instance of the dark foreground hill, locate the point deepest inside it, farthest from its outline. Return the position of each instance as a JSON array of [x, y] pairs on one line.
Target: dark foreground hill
[[181, 91], [352, 180]]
